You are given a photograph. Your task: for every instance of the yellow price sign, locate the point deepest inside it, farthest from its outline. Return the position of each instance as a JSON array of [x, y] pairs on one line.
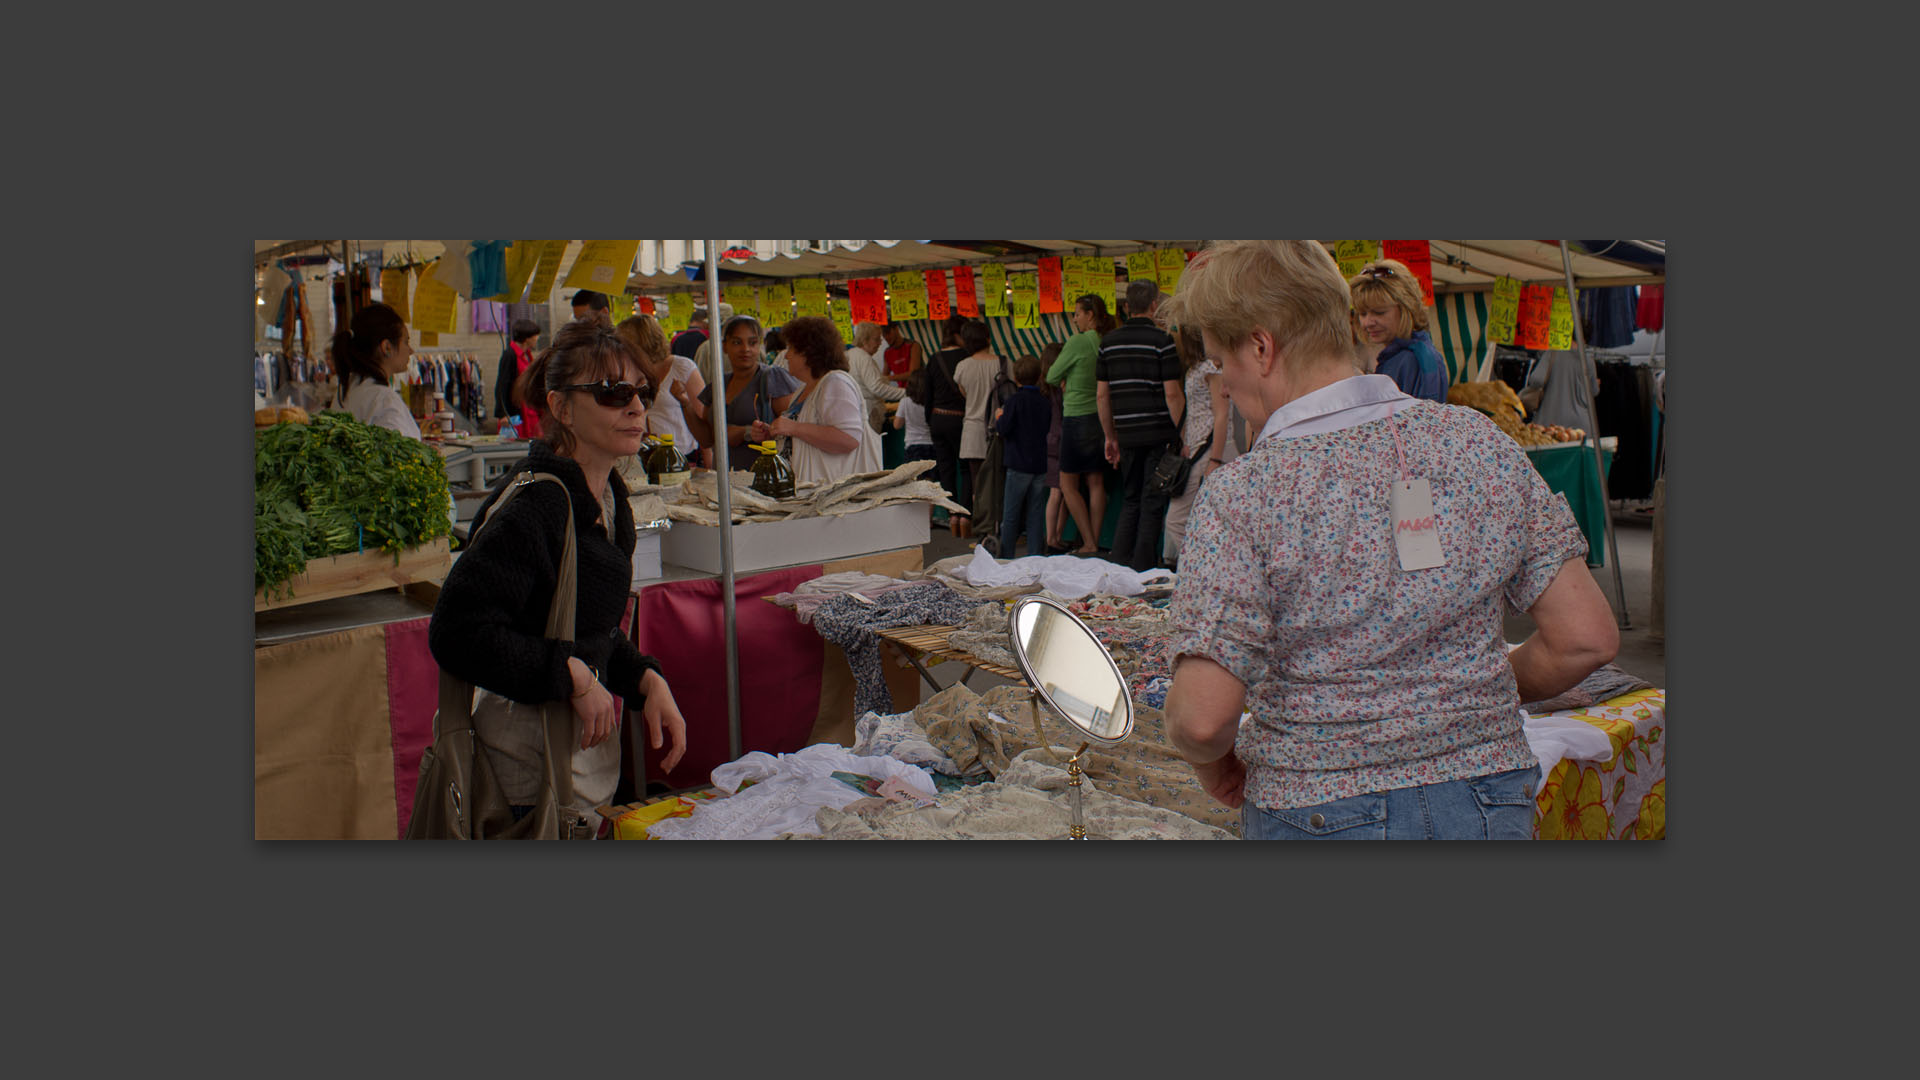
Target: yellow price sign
[[621, 306], [546, 269], [810, 297], [433, 304], [679, 311], [1560, 321], [393, 292], [907, 296], [1352, 255], [743, 300], [1503, 311], [522, 257], [602, 265], [842, 309], [776, 304], [1026, 301], [1099, 273], [993, 289], [1169, 264], [1141, 266]]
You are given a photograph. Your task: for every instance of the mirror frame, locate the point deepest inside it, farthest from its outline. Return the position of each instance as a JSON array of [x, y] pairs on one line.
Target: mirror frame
[[1033, 683]]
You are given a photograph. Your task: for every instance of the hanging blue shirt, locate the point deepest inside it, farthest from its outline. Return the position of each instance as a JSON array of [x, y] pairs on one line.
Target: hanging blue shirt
[[1415, 366]]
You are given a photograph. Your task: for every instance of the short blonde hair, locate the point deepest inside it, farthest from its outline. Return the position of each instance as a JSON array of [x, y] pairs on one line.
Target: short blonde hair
[[645, 336], [1292, 289], [1389, 281]]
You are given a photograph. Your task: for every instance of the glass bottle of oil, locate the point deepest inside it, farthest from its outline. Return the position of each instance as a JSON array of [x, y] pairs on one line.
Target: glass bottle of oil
[[772, 475], [666, 465]]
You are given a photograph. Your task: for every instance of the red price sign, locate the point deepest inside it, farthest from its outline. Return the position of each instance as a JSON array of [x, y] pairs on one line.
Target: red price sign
[[937, 307], [1418, 258], [646, 305], [1536, 306], [967, 299], [869, 296], [1050, 284]]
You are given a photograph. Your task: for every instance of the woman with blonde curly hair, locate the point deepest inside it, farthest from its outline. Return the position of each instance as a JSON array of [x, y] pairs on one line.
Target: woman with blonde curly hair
[[1345, 581], [1390, 320]]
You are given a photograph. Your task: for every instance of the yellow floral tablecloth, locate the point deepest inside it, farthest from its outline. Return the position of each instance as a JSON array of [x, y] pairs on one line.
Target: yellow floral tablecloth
[[1622, 798]]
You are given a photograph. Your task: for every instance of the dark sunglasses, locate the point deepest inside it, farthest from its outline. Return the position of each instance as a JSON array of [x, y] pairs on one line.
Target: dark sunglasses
[[1378, 271], [614, 395]]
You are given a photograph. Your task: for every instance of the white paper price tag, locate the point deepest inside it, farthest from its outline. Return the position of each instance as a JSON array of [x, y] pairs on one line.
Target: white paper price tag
[[1416, 532]]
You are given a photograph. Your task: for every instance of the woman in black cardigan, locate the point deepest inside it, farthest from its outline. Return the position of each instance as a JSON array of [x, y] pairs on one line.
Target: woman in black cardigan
[[489, 626]]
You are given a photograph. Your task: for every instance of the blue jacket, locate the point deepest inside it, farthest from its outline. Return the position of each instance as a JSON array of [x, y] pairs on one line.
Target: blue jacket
[[1024, 425], [1416, 366]]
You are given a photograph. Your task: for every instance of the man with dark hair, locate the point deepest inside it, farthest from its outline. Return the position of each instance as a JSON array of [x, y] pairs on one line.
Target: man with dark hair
[[587, 303], [687, 342], [1137, 387]]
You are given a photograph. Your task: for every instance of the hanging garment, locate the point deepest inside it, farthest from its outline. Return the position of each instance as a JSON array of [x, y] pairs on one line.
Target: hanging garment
[[489, 317], [1607, 316], [1651, 313], [487, 267], [1625, 410]]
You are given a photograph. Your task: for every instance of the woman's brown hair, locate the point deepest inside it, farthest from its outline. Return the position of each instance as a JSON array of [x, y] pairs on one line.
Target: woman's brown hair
[[583, 351]]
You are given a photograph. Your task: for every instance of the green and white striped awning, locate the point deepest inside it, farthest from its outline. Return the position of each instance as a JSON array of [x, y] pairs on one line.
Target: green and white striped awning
[[1007, 341], [1460, 333]]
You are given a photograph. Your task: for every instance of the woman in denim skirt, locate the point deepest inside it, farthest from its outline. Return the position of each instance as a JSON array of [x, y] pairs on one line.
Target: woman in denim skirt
[[1338, 665]]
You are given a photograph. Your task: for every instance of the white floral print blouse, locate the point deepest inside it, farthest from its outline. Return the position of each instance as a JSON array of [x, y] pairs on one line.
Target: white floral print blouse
[[1362, 677]]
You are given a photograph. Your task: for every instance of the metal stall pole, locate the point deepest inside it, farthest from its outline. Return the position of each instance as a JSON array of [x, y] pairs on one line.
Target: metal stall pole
[[717, 415], [1588, 375]]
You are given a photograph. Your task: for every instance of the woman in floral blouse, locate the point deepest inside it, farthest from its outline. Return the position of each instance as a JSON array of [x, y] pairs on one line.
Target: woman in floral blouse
[[1383, 702]]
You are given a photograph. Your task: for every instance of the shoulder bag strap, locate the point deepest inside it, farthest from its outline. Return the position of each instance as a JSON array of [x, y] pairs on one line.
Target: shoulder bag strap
[[560, 617]]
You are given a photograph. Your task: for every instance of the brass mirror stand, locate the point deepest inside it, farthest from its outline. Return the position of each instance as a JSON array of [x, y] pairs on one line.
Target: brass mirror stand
[[1076, 828]]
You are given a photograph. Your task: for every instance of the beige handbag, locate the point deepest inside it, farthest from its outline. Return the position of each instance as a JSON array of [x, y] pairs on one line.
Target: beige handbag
[[459, 797]]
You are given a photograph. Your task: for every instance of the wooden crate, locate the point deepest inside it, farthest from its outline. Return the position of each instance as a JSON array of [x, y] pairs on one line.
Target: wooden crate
[[347, 575]]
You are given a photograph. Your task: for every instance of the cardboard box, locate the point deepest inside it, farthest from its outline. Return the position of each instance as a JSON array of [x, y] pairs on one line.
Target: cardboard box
[[766, 545]]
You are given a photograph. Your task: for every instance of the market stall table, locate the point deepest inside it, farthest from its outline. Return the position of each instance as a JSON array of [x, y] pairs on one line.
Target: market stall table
[[915, 642], [1568, 469]]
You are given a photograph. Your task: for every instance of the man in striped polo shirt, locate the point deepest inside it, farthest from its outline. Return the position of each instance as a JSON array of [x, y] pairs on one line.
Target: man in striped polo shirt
[[1137, 385]]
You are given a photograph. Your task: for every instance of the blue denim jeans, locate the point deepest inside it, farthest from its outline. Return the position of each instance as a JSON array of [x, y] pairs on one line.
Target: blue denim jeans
[[1496, 807], [1025, 505]]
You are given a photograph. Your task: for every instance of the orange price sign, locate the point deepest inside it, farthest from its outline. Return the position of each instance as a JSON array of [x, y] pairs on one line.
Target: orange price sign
[[938, 306], [1418, 257]]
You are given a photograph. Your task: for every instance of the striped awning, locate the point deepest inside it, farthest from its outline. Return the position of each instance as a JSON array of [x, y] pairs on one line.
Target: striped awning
[[1460, 333], [1007, 341]]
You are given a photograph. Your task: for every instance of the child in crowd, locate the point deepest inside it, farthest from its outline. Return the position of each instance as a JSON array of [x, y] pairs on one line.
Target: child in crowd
[[1023, 424], [912, 417]]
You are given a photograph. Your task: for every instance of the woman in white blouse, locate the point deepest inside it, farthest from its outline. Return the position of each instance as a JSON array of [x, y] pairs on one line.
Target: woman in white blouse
[[368, 353], [827, 420]]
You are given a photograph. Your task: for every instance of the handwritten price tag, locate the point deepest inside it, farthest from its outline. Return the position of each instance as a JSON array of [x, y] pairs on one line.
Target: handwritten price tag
[[963, 293], [679, 311], [993, 289], [1353, 255], [602, 265], [842, 310], [1169, 264], [1560, 321], [1536, 304], [810, 297], [393, 292], [776, 304], [1418, 257], [546, 269], [869, 300], [938, 306], [1049, 284], [433, 305], [1141, 266]]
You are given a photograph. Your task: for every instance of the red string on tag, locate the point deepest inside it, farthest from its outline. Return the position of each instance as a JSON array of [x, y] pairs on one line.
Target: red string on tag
[[1399, 451]]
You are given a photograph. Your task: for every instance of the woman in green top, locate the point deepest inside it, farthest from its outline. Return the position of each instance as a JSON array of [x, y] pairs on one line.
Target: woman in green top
[[1082, 442]]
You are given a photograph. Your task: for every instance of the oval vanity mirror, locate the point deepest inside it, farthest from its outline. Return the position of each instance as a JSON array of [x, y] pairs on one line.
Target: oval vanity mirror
[[1072, 672], [1068, 669]]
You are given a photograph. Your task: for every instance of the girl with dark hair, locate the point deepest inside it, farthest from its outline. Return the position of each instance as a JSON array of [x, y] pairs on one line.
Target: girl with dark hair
[[367, 354], [912, 418], [489, 624]]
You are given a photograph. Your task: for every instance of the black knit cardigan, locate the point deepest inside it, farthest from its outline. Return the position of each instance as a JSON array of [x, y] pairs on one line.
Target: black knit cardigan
[[489, 625]]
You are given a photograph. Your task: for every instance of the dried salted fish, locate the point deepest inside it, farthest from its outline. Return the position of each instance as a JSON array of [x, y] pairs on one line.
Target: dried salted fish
[[648, 507]]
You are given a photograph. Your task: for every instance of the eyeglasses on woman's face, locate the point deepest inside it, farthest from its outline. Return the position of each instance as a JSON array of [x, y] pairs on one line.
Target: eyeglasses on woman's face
[[614, 395]]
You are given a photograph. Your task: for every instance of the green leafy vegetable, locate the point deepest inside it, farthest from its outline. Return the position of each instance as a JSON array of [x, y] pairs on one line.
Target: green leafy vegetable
[[337, 486]]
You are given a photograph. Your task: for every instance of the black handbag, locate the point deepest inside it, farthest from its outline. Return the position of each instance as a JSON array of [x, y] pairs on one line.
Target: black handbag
[[457, 797], [1169, 474]]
